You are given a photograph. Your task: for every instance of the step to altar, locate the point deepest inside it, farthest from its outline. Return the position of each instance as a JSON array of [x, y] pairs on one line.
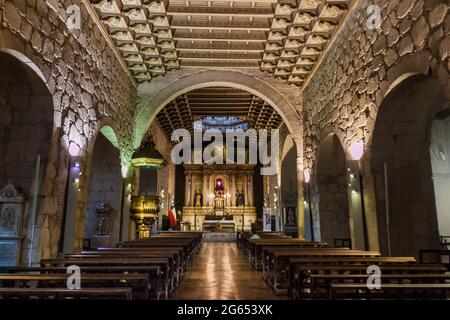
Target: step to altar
[[219, 236]]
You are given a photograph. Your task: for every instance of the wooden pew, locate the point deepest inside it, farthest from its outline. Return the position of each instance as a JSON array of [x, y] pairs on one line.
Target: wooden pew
[[189, 245], [173, 257], [152, 272], [319, 286], [301, 268], [279, 260], [162, 262], [397, 291], [435, 256], [139, 283], [255, 247], [64, 293], [175, 253]]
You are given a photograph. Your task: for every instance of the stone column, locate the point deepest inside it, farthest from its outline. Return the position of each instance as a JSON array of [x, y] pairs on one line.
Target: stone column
[[368, 180], [192, 189], [204, 191], [252, 204], [233, 190], [300, 205], [186, 190], [244, 184]]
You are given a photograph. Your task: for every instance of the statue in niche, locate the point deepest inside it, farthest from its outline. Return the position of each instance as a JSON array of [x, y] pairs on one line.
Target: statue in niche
[[240, 199], [290, 215], [102, 228], [198, 199], [103, 210], [8, 219]]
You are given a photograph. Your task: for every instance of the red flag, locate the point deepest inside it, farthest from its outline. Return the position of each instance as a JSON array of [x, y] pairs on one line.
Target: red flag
[[173, 216]]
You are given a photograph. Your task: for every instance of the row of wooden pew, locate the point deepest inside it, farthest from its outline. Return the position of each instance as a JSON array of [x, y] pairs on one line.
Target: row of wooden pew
[[311, 270], [148, 268]]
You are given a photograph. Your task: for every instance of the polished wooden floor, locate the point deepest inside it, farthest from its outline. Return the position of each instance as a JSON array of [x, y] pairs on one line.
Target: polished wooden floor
[[221, 272]]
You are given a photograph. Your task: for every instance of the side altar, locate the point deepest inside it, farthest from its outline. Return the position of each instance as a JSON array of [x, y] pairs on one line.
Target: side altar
[[219, 197]]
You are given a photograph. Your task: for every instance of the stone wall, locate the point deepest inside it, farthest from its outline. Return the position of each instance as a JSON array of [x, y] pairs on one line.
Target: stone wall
[[348, 87], [358, 71], [87, 83]]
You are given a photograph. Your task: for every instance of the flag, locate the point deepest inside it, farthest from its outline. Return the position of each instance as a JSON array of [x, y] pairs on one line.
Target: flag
[[172, 215]]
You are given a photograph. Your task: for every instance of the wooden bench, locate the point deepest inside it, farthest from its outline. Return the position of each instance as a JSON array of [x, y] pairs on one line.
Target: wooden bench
[[64, 293], [139, 283], [299, 273], [279, 261], [435, 256], [152, 272], [166, 270], [255, 247], [390, 291], [318, 286], [173, 258]]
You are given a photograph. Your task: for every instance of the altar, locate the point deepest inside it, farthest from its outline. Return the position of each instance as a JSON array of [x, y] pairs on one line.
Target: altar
[[219, 197]]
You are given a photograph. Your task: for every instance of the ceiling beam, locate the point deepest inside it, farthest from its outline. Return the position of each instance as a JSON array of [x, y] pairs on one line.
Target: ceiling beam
[[220, 11], [214, 36], [219, 56], [219, 25]]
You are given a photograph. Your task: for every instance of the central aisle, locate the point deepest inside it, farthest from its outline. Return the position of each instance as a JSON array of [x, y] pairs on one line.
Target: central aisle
[[221, 272]]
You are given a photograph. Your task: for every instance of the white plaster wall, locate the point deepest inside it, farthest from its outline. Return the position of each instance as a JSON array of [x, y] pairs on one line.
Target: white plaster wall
[[440, 162]]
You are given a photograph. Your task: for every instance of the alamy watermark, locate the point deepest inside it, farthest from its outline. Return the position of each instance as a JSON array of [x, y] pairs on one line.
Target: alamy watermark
[[74, 280], [374, 20], [73, 21], [374, 280], [221, 149]]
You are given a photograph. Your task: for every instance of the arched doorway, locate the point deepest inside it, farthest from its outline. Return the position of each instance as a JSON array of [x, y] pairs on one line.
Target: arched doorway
[[104, 204], [26, 131], [401, 152], [288, 185], [224, 109], [329, 191]]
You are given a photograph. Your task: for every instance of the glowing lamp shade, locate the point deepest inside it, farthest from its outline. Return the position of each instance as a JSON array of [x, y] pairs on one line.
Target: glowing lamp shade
[[357, 150], [74, 149], [307, 175]]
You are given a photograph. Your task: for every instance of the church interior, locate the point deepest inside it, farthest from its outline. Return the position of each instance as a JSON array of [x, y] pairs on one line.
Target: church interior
[[225, 150]]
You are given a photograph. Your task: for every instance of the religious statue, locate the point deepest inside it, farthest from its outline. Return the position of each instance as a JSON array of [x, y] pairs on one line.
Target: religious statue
[[240, 199], [102, 228], [8, 219], [198, 199]]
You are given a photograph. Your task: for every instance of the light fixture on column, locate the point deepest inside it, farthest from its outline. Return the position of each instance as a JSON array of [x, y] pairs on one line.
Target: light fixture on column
[[357, 150]]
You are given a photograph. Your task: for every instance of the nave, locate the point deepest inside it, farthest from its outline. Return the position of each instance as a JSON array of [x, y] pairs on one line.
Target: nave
[[221, 272]]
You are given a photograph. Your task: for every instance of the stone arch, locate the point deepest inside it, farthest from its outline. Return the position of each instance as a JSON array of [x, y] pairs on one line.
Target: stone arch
[[329, 202], [287, 146], [102, 171], [401, 140], [27, 132], [155, 97]]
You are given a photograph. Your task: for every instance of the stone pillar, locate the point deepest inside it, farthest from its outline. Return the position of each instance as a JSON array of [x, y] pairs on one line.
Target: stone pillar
[[368, 180], [191, 189], [186, 190], [300, 205], [126, 196], [244, 183], [233, 190], [252, 203], [204, 191]]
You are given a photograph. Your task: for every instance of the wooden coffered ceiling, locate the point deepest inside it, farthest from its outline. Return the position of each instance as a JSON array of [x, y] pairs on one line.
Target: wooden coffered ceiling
[[282, 37], [217, 101]]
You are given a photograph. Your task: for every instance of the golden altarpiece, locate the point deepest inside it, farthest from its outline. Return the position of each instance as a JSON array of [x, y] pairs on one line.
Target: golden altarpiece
[[219, 197]]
